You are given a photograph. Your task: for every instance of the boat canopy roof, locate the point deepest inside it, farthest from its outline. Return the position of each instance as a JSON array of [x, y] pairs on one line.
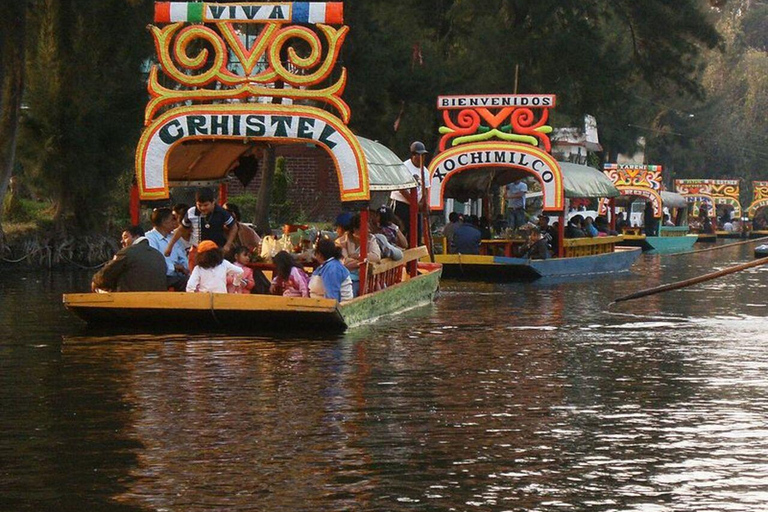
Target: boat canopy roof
[[578, 180], [673, 200], [582, 181], [385, 169], [212, 160]]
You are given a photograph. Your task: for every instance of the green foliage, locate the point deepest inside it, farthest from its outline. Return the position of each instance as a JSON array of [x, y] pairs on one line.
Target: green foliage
[[726, 135], [17, 209], [247, 204], [596, 56], [85, 96], [280, 207]]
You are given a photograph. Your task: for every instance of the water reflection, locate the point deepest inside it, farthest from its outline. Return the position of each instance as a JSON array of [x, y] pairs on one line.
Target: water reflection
[[527, 396]]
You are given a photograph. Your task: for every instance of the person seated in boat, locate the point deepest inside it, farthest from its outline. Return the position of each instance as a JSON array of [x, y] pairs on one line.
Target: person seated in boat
[[706, 224], [387, 249], [603, 228], [621, 222], [573, 229], [137, 267], [206, 221], [212, 271], [242, 257], [289, 279], [466, 238], [450, 228], [389, 226], [330, 279], [484, 226], [159, 236], [548, 232], [350, 249], [589, 227], [536, 248], [341, 224], [667, 221], [246, 236]]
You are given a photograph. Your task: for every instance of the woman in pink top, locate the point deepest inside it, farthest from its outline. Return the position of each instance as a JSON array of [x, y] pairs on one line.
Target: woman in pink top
[[290, 279], [242, 259]]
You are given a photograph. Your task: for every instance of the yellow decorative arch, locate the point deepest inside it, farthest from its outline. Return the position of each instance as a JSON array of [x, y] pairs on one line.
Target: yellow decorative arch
[[249, 122], [755, 206], [652, 195], [529, 159]]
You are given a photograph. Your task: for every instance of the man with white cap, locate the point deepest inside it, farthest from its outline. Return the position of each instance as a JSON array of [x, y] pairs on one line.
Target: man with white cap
[[400, 201]]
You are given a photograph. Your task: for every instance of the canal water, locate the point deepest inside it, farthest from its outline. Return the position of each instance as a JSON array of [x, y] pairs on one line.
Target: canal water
[[534, 397]]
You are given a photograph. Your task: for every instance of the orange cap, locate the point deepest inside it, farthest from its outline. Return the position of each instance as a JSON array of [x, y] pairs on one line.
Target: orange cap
[[207, 245]]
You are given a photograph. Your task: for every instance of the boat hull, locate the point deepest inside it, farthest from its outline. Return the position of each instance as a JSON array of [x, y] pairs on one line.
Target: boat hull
[[671, 244], [497, 268], [219, 312], [707, 238]]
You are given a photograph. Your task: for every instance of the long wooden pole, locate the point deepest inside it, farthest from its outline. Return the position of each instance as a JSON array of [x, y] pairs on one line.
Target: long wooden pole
[[690, 282], [724, 246], [425, 212]]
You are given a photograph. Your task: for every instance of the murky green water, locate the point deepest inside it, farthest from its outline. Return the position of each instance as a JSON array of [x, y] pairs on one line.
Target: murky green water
[[528, 397]]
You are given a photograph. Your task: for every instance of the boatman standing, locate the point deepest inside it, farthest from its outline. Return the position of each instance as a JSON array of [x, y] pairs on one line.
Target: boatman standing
[[515, 194], [400, 201]]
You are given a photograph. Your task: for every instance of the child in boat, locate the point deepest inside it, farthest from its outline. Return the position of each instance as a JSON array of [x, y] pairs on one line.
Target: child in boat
[[210, 273], [242, 258], [331, 278], [290, 279]]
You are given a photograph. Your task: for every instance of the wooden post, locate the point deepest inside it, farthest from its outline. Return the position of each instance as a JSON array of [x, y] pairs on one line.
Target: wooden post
[[612, 205], [135, 206], [363, 234], [561, 236], [413, 235], [427, 229], [223, 193]]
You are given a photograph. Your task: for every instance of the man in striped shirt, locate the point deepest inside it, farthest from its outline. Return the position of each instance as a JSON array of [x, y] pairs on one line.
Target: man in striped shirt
[[205, 221]]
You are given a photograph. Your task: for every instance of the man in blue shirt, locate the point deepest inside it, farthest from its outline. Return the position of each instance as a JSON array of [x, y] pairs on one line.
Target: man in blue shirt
[[177, 270], [516, 203], [466, 238]]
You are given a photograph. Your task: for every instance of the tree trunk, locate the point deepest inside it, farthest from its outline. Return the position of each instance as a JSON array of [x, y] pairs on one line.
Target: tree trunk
[[264, 199], [12, 54]]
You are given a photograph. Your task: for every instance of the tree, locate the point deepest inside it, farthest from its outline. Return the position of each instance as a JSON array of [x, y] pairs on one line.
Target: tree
[[726, 134], [596, 56], [85, 96], [12, 54]]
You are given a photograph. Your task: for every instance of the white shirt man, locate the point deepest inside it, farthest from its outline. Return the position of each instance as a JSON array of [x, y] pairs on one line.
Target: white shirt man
[[400, 198]]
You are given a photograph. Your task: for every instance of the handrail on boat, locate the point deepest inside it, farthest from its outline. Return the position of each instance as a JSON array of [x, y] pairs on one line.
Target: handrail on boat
[[390, 272]]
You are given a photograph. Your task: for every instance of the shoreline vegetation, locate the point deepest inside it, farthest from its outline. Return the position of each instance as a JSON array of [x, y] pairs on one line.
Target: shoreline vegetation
[[33, 239]]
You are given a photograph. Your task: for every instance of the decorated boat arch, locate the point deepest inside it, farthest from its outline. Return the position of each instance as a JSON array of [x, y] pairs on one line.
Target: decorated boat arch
[[701, 207], [489, 141], [698, 193], [645, 182], [759, 198], [231, 80], [215, 113], [758, 209], [725, 194]]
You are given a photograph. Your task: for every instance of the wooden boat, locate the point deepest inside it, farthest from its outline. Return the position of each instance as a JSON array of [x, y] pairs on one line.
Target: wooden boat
[[725, 194], [642, 185], [701, 205], [490, 141], [258, 313], [203, 132]]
